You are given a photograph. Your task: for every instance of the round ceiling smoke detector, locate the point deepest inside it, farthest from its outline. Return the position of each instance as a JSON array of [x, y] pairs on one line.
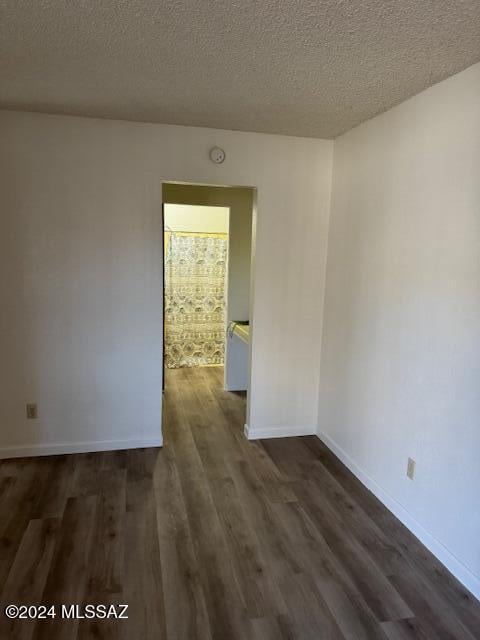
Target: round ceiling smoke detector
[[217, 155]]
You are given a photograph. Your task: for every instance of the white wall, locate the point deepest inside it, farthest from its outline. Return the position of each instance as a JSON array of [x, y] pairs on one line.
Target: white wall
[[81, 290], [400, 373], [196, 218]]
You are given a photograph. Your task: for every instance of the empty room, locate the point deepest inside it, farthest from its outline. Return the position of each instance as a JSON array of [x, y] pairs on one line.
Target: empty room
[[240, 320]]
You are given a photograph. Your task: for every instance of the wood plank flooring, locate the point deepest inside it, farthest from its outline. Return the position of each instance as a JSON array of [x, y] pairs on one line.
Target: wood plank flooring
[[217, 538]]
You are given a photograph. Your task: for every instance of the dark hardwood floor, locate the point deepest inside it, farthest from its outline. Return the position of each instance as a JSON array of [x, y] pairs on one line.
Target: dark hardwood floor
[[214, 537]]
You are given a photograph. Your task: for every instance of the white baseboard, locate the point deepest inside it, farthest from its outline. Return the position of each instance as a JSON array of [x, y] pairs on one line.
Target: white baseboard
[[28, 451], [453, 564], [278, 432]]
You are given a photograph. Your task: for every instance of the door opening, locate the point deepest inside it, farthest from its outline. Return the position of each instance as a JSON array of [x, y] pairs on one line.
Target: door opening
[[207, 240]]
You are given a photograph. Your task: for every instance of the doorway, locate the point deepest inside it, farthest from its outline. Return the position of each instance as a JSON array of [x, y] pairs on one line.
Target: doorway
[[208, 252]]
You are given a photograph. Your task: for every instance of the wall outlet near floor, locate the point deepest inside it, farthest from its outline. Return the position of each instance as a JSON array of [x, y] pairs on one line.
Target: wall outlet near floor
[[411, 468], [32, 411]]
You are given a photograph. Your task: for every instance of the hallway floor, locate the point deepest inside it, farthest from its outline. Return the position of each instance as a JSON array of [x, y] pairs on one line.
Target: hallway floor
[[215, 537]]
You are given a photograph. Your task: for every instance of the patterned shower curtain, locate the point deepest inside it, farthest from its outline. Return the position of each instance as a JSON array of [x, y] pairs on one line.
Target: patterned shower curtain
[[195, 267]]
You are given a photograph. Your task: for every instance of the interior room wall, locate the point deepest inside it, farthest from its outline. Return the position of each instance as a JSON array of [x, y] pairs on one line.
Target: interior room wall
[[80, 250], [195, 218], [400, 372]]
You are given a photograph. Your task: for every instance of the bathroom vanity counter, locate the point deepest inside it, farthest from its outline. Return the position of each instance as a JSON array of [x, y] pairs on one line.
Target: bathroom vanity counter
[[237, 356], [241, 329]]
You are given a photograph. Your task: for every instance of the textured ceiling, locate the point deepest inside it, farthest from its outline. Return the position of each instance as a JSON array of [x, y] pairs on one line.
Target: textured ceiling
[[305, 67]]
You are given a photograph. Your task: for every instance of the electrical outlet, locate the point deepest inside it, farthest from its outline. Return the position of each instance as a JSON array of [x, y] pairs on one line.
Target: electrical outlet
[[32, 411], [411, 468]]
